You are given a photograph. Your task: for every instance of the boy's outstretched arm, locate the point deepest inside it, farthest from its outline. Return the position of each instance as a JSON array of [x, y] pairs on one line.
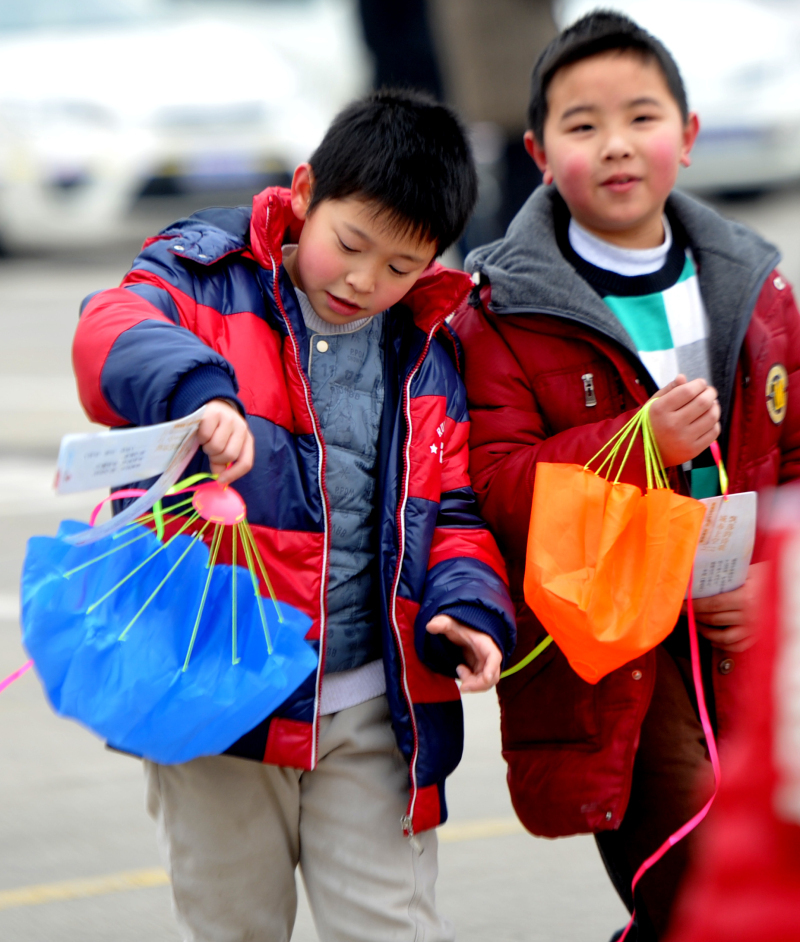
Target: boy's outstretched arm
[[138, 352], [465, 625]]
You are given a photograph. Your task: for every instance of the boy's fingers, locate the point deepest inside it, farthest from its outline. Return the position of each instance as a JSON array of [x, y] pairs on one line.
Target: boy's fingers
[[680, 395], [735, 639], [701, 408], [724, 602], [679, 380], [242, 464], [727, 619], [221, 447], [207, 427], [483, 677]]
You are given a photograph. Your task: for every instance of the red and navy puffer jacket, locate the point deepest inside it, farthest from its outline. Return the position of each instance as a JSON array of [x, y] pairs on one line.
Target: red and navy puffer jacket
[[208, 311]]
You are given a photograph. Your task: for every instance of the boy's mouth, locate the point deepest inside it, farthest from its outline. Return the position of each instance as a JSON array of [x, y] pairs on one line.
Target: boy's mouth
[[620, 182], [342, 307]]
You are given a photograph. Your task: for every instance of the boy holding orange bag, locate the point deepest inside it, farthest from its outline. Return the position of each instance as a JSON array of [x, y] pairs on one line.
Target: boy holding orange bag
[[609, 288]]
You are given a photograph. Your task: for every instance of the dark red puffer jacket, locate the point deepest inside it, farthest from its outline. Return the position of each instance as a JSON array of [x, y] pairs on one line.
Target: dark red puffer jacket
[[541, 347]]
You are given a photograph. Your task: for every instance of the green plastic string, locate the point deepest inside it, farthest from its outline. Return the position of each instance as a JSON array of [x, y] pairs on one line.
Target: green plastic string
[[654, 466], [528, 657], [158, 519], [614, 446], [249, 533], [157, 514], [97, 559], [189, 482], [259, 600], [143, 521], [130, 575], [197, 536], [216, 540], [625, 439]]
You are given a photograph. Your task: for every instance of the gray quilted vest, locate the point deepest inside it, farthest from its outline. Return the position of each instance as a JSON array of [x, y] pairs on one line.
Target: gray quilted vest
[[346, 372]]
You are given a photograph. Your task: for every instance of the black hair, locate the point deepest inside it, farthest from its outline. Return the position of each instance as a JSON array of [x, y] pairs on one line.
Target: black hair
[[406, 154], [598, 32]]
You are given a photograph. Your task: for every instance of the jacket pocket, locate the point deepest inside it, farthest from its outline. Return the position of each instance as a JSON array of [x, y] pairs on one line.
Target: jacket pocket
[[577, 395]]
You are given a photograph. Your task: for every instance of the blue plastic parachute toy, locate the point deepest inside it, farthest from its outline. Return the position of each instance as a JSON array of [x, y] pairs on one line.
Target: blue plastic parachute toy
[[155, 646]]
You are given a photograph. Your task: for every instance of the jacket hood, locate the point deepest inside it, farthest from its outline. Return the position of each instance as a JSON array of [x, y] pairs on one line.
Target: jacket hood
[[528, 274], [436, 294]]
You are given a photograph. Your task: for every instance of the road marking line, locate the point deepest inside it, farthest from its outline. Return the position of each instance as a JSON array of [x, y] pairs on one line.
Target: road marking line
[[476, 830], [80, 889], [156, 876]]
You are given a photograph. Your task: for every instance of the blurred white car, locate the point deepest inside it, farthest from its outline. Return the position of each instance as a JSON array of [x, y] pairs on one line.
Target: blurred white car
[[101, 100], [740, 61]]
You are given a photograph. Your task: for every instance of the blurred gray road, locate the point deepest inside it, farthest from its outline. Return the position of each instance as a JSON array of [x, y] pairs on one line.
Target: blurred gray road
[[78, 861]]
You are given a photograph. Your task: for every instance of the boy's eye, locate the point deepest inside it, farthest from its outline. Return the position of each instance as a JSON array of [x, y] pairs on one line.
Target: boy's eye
[[397, 271], [345, 247], [578, 128], [644, 118]]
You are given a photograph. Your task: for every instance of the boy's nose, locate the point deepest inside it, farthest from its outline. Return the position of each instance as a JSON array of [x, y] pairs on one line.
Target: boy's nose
[[361, 281], [616, 147]]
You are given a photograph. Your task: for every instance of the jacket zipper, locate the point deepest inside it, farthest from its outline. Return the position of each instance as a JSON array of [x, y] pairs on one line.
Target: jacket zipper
[[322, 462], [590, 397], [407, 819]]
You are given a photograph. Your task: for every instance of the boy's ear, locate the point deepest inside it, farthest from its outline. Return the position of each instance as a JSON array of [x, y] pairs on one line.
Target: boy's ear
[[302, 187], [690, 132], [536, 153]]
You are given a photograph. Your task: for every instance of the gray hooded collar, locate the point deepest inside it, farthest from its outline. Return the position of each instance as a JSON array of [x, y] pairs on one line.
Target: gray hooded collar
[[528, 274]]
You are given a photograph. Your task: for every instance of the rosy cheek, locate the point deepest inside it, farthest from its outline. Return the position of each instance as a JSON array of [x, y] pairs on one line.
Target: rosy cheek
[[573, 177], [319, 263], [664, 156]]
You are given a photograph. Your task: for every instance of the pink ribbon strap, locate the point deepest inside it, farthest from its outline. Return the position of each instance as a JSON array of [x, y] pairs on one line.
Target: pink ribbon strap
[[723, 474], [692, 823], [15, 676]]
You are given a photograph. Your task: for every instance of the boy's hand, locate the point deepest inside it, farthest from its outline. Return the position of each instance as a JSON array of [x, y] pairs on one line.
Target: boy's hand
[[727, 620], [225, 437], [483, 657], [685, 419]]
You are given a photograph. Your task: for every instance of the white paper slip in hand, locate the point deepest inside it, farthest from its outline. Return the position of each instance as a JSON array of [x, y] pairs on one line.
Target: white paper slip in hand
[[109, 459], [117, 457], [726, 544]]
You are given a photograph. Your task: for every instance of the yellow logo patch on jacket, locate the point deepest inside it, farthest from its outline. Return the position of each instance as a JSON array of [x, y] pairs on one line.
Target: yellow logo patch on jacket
[[777, 392]]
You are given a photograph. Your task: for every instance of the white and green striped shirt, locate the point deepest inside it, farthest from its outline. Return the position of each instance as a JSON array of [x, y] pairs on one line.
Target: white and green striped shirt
[[655, 295]]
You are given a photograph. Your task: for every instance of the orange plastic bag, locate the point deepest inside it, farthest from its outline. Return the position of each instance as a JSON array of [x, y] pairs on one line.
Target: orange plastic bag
[[607, 566]]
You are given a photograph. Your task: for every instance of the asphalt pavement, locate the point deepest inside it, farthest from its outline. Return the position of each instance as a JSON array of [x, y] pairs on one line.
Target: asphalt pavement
[[78, 860]]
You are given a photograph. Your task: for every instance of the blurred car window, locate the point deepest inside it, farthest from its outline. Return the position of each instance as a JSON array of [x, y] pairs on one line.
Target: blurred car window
[[38, 14], [106, 102]]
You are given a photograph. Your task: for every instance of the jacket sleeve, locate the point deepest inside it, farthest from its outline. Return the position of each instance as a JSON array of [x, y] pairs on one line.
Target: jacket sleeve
[[466, 576], [509, 434], [137, 355], [790, 433]]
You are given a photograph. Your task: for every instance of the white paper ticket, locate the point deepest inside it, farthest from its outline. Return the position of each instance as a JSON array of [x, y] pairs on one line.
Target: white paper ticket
[[114, 458], [726, 544]]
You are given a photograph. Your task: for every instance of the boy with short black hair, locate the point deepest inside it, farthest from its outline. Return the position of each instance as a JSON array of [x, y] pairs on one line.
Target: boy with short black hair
[[610, 288], [313, 328]]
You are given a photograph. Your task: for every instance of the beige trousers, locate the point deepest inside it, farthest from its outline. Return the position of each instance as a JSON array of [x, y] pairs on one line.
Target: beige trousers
[[231, 833]]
